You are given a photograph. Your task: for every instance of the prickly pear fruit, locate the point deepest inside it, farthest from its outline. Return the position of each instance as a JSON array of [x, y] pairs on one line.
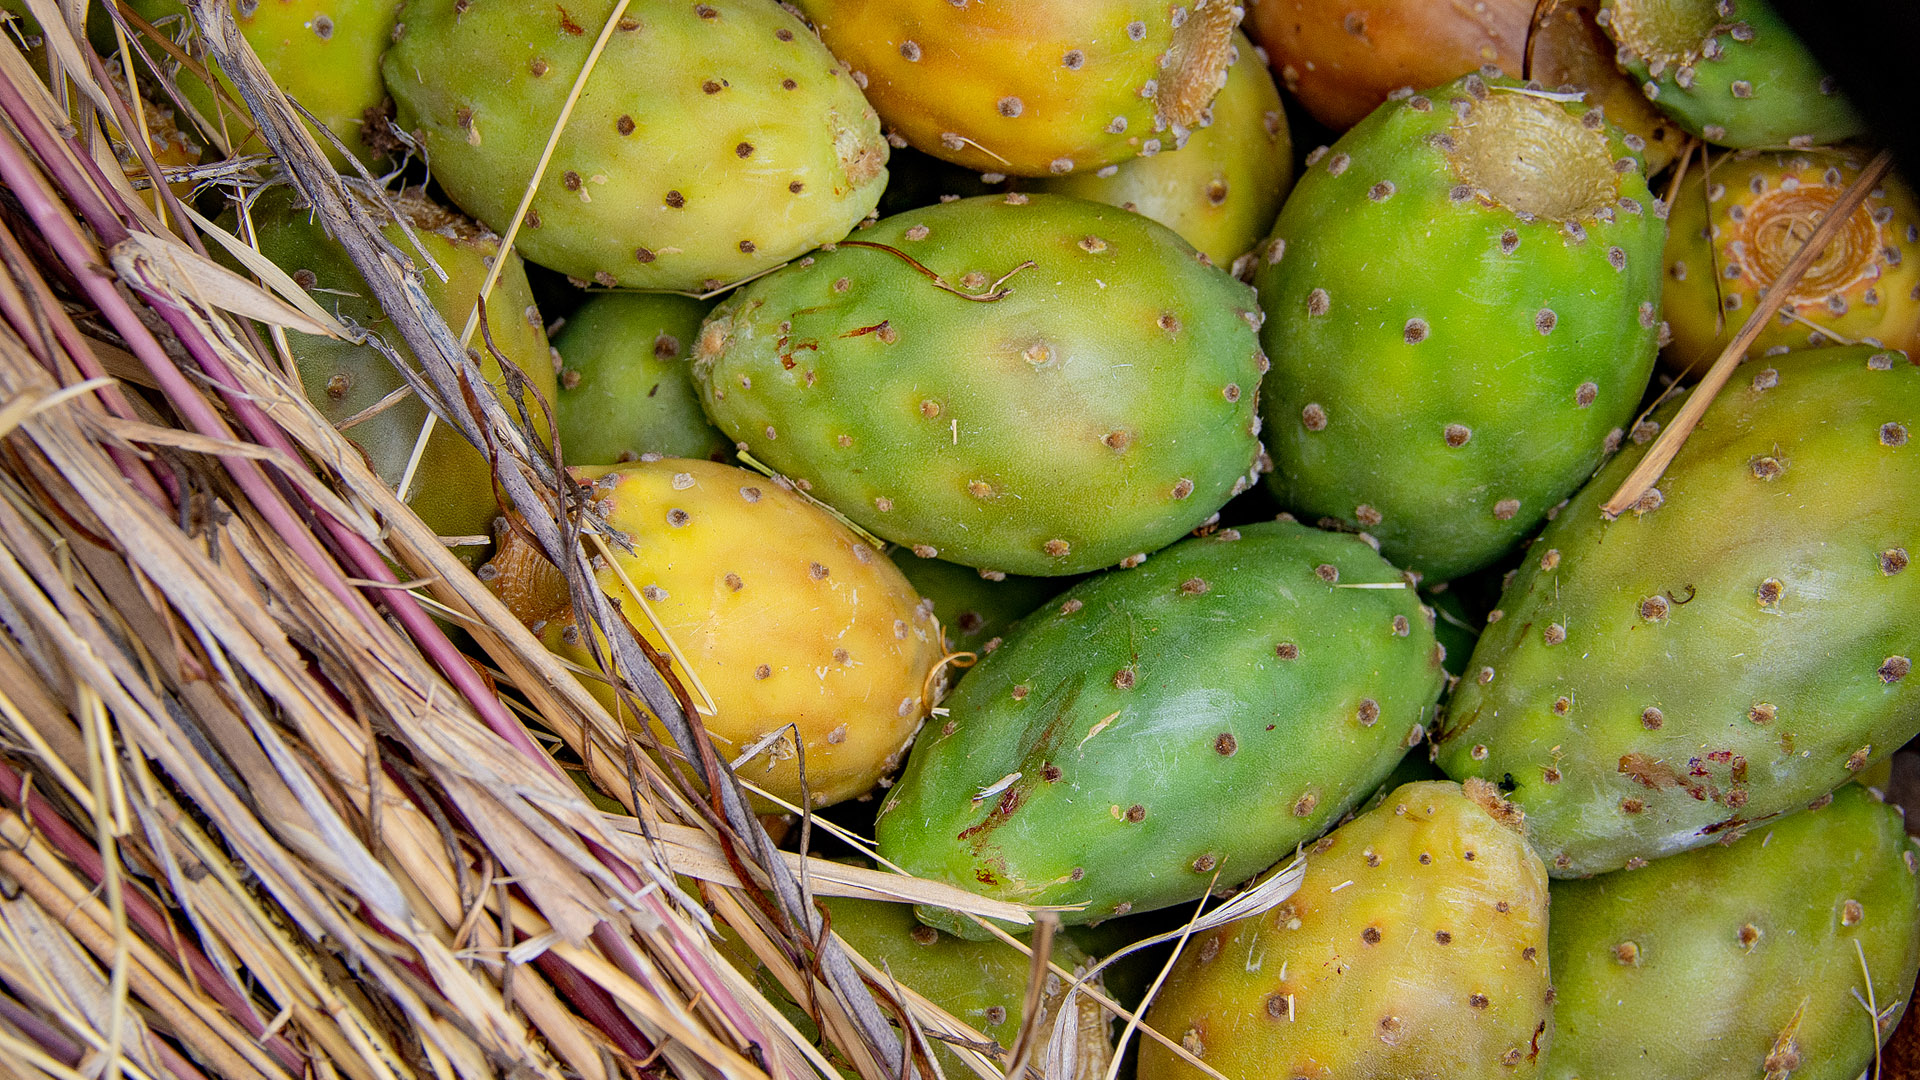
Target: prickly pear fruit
[[452, 488], [1732, 234], [974, 612], [1161, 729], [712, 141], [626, 387], [1221, 191], [1341, 58], [1416, 946], [981, 983], [1043, 87], [1730, 71], [1446, 413], [1568, 51], [775, 613], [1735, 962], [964, 379], [324, 53], [1774, 554]]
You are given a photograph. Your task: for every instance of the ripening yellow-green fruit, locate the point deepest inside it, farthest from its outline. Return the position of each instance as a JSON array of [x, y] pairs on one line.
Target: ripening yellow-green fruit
[[807, 643]]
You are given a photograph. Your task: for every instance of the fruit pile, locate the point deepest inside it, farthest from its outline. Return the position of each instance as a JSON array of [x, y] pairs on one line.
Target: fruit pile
[[1102, 507]]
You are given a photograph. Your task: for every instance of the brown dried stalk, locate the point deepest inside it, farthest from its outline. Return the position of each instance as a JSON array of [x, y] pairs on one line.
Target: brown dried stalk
[[1661, 453], [526, 477]]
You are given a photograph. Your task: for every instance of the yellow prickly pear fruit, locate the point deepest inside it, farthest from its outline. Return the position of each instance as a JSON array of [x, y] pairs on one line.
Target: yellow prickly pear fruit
[[777, 615], [324, 53], [1415, 947], [1733, 230], [1222, 190], [1035, 88]]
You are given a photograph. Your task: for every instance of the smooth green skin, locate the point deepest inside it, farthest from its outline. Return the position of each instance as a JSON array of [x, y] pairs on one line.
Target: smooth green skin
[[1414, 949], [1788, 105], [973, 610], [1696, 1002], [1484, 363], [1232, 753], [1104, 403], [453, 487], [969, 979], [1819, 528], [626, 383], [966, 978], [1222, 189], [324, 53], [466, 85]]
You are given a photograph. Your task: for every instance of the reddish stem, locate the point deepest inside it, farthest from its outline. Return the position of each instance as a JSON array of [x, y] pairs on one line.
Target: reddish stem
[[62, 837]]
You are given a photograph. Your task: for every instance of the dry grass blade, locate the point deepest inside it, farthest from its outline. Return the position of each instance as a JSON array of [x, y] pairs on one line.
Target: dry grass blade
[[1661, 454], [534, 486], [197, 626], [1030, 1013]]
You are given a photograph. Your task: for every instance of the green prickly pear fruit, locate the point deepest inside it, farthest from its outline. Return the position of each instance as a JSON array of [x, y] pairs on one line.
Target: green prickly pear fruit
[[1774, 555], [1732, 235], [1446, 412], [713, 141], [324, 53], [1039, 88], [452, 488], [981, 983], [975, 611], [1416, 946], [626, 388], [1221, 190], [1158, 730], [960, 379], [1750, 960], [1730, 71]]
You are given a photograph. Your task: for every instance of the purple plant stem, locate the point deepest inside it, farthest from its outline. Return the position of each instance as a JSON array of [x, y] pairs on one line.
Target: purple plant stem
[[42, 1034], [596, 1005], [28, 186], [418, 625], [133, 469], [62, 837], [432, 641]]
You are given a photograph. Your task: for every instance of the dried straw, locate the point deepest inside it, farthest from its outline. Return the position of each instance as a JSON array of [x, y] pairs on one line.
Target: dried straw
[[259, 818], [1662, 452]]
